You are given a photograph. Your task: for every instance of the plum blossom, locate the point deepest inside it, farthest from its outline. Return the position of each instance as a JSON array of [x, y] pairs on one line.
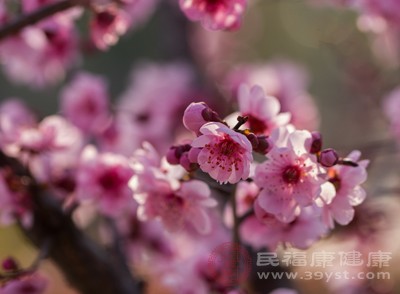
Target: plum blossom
[[107, 24], [32, 284], [161, 195], [39, 55], [284, 291], [84, 102], [262, 110], [103, 179], [290, 178], [349, 193], [226, 155], [148, 108], [215, 14], [285, 81], [264, 229], [175, 208]]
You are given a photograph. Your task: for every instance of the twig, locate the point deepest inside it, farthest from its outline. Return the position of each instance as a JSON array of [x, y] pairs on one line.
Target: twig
[[26, 20]]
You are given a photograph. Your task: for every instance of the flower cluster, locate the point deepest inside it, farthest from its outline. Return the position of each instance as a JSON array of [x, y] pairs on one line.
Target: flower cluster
[[298, 190]]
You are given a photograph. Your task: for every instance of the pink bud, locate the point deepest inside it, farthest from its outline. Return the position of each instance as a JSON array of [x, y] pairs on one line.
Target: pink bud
[[264, 145], [171, 156], [193, 154], [316, 144], [328, 157], [185, 162], [10, 264], [193, 118]]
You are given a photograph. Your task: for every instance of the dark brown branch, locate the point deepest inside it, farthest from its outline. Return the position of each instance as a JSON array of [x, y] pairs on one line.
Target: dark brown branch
[[15, 26], [87, 266]]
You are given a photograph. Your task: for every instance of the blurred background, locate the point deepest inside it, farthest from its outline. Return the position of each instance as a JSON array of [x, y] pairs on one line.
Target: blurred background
[[347, 81]]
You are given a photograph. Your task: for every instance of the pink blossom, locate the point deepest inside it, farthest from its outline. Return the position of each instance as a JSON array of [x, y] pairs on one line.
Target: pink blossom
[[187, 204], [33, 284], [264, 229], [84, 102], [226, 155], [107, 25], [262, 110], [150, 109], [349, 193], [40, 54], [103, 178], [215, 14], [285, 81], [289, 178]]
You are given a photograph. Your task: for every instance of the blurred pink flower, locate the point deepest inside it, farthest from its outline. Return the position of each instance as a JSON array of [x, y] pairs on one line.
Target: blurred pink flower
[[285, 81], [349, 193], [266, 230], [215, 14], [32, 284], [187, 204], [262, 110], [151, 108], [226, 155], [107, 25], [284, 291], [103, 179], [84, 102], [40, 55]]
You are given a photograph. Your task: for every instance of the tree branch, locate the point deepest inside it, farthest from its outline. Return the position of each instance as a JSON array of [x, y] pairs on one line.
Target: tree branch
[[26, 20], [87, 266]]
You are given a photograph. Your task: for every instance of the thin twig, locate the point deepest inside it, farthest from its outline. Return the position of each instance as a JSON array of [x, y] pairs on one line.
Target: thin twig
[[17, 25]]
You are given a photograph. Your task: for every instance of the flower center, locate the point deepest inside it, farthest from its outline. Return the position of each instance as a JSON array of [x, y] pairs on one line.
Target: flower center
[[291, 174], [334, 178], [256, 125], [227, 146], [110, 180]]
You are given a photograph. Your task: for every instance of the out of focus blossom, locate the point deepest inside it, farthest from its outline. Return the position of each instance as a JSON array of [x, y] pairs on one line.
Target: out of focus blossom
[[103, 179], [107, 25], [226, 155], [150, 109], [40, 55], [285, 81], [84, 102], [265, 229], [284, 291], [32, 284], [261, 110], [215, 14]]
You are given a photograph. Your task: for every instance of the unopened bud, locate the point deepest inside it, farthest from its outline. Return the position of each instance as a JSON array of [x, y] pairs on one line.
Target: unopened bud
[[316, 144], [328, 157], [10, 264]]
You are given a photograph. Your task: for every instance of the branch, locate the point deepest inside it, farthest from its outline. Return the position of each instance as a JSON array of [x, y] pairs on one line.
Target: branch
[[87, 266], [26, 20]]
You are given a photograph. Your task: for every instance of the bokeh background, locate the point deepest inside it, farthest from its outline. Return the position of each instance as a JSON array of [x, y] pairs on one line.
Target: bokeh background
[[347, 80]]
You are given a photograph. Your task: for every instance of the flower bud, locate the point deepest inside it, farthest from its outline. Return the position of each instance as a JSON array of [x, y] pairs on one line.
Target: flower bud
[[193, 154], [316, 144], [328, 157], [185, 162], [264, 145], [10, 264], [253, 140], [193, 118], [171, 156]]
